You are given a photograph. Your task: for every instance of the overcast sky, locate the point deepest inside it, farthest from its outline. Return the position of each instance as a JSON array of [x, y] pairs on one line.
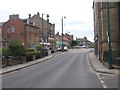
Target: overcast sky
[[79, 13]]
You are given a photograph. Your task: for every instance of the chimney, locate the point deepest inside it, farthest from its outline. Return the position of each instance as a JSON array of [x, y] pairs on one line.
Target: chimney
[[14, 16], [57, 33], [29, 15], [38, 14], [85, 37]]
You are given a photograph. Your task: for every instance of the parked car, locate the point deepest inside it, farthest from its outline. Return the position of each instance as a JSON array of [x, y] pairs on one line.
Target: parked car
[[84, 46], [65, 48], [59, 49]]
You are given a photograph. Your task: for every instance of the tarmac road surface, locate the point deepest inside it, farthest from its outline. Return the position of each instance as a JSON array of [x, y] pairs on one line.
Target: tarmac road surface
[[67, 70]]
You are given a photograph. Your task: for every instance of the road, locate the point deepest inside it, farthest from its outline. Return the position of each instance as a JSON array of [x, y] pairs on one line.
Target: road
[[67, 70]]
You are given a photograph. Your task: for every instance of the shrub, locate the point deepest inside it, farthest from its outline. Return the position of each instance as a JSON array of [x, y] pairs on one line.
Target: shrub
[[29, 56], [6, 51], [16, 48], [46, 53], [38, 54], [29, 49], [39, 47]]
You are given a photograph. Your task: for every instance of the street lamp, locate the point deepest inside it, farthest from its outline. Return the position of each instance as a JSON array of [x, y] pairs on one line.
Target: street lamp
[[62, 32], [109, 37], [43, 27]]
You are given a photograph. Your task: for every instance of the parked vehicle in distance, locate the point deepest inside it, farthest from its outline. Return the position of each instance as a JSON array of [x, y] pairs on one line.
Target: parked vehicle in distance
[[84, 46], [59, 49], [65, 48]]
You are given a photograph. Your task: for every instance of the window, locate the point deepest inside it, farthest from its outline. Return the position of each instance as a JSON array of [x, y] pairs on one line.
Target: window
[[8, 30], [12, 29]]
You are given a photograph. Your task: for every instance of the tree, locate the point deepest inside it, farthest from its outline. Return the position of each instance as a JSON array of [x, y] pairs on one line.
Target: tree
[[74, 43]]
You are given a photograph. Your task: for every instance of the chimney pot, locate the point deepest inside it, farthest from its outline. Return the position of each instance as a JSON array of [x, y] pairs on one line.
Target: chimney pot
[[29, 15]]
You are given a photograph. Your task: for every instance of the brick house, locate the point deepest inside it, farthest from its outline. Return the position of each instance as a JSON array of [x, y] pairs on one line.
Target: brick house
[[21, 30], [67, 39], [48, 29]]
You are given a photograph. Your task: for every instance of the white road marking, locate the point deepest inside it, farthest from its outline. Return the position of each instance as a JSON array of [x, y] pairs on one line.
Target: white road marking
[[102, 82], [104, 86], [98, 75]]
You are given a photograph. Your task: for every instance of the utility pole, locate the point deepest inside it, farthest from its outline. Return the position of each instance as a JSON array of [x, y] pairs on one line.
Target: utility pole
[[62, 32], [109, 36], [42, 31]]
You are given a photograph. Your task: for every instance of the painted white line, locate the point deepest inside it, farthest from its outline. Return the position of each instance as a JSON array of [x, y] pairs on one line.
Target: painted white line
[[98, 75], [104, 86], [100, 78], [102, 82]]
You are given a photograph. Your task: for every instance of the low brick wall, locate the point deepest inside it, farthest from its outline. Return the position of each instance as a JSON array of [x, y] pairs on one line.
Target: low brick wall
[[10, 62]]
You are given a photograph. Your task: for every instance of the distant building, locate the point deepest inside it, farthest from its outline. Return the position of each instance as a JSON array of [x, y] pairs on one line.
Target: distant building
[[83, 42], [67, 39], [21, 30]]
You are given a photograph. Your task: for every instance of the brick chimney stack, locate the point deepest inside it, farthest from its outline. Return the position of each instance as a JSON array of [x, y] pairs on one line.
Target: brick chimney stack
[[29, 15], [38, 14], [14, 16]]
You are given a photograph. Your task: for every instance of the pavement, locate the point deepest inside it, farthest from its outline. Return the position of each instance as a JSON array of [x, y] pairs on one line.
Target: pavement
[[98, 66], [9, 69], [95, 64]]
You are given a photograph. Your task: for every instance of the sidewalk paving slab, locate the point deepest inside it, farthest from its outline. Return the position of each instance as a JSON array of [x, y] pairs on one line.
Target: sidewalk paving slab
[[98, 66]]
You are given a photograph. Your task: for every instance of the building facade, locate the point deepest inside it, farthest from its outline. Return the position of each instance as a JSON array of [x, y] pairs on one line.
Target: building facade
[[83, 42], [48, 33], [21, 30], [101, 29], [67, 40]]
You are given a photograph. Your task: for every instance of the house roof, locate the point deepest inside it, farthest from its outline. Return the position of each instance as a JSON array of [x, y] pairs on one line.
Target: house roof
[[65, 38], [83, 40]]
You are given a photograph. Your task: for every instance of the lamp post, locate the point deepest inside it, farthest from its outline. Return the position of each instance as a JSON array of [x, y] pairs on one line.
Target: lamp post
[[62, 32], [109, 37], [43, 27]]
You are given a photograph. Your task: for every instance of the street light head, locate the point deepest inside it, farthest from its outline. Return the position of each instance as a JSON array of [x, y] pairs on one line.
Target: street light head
[[47, 15], [64, 16]]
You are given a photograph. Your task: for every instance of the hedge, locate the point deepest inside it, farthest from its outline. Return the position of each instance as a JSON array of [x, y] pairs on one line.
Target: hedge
[[29, 56], [38, 54], [29, 49]]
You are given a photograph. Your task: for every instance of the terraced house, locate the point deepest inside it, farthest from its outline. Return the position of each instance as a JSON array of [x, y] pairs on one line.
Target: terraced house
[[48, 33], [21, 30]]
